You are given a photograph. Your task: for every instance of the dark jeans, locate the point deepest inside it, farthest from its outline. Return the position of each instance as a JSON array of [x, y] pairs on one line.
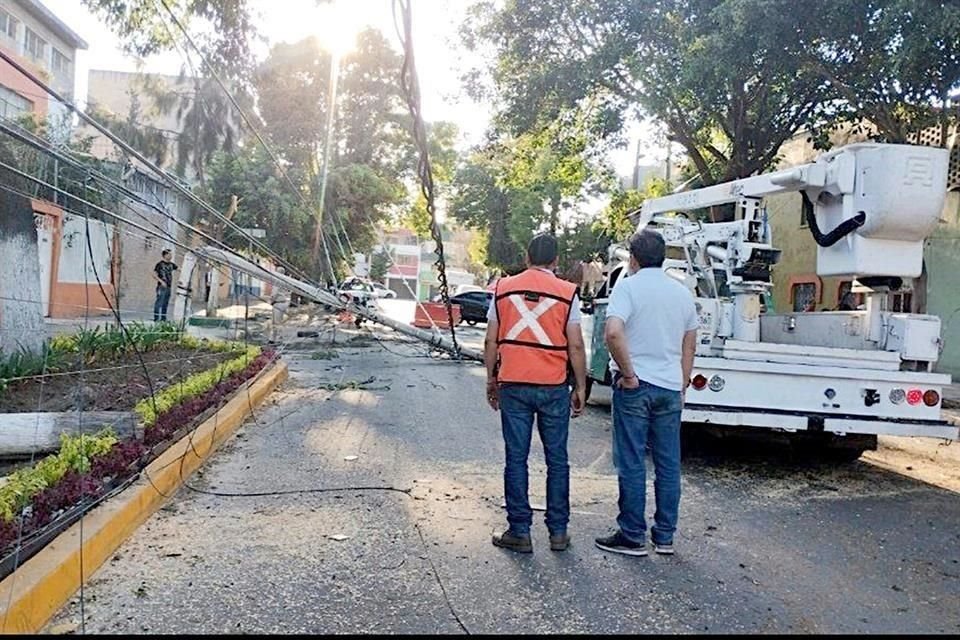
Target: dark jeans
[[519, 403], [647, 413], [160, 305]]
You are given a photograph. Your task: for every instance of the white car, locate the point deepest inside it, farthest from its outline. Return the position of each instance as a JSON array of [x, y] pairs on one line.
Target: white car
[[383, 292], [357, 291]]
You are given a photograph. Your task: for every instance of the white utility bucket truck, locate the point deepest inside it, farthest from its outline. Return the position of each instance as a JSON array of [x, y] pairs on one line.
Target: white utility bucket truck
[[853, 374]]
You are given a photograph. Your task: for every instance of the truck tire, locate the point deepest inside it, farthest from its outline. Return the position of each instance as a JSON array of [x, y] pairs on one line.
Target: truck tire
[[586, 393]]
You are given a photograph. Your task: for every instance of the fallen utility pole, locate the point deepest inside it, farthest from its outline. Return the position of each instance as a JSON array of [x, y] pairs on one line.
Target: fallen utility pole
[[213, 255]]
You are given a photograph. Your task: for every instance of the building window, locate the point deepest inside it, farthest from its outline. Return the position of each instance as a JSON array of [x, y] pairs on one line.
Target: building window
[[34, 45], [406, 260], [803, 296], [59, 62], [901, 302], [847, 301], [12, 104], [8, 25]]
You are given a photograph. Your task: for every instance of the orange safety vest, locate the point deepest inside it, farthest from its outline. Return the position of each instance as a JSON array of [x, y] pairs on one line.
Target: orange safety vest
[[532, 311]]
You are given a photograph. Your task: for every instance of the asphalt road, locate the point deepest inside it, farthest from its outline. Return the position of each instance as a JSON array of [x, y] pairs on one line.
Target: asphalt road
[[766, 543]]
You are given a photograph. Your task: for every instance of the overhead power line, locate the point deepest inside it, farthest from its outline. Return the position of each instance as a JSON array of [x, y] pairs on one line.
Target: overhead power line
[[253, 128], [146, 162], [410, 84]]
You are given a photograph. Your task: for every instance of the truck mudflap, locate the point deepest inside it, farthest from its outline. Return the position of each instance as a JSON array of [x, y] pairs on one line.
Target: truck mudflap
[[792, 421]]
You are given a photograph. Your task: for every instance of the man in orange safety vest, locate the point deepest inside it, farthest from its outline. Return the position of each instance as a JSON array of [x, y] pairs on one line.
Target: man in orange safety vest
[[533, 341]]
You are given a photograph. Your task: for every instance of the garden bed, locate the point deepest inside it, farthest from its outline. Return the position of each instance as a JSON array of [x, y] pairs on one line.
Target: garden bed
[[114, 383], [190, 379]]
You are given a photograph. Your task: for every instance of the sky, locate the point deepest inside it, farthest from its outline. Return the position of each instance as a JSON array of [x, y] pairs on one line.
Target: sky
[[439, 54]]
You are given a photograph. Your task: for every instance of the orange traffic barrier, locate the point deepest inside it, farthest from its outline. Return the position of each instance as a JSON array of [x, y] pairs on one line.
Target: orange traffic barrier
[[436, 312]]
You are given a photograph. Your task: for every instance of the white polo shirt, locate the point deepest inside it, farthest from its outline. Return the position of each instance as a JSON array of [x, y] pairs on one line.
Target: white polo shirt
[[575, 314], [657, 311]]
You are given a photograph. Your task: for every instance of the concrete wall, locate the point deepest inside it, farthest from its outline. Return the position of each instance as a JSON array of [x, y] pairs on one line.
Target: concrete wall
[[83, 285], [21, 315], [139, 252]]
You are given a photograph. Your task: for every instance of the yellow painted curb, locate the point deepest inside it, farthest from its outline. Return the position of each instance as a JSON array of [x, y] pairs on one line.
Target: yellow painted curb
[[32, 594]]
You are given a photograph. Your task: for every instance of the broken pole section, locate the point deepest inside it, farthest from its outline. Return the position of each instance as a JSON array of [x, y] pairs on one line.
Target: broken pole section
[[23, 434], [433, 338]]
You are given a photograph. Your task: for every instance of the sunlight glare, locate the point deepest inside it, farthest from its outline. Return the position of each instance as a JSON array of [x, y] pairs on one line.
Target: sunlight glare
[[340, 22]]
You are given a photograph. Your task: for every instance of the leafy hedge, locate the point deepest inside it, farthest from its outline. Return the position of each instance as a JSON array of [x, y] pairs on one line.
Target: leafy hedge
[[199, 383], [75, 454]]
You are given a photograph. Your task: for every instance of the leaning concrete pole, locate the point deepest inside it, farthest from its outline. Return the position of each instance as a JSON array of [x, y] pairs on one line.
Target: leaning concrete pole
[[434, 338]]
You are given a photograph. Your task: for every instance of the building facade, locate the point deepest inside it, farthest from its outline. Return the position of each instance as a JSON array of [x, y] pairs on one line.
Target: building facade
[[46, 46], [121, 94], [403, 270]]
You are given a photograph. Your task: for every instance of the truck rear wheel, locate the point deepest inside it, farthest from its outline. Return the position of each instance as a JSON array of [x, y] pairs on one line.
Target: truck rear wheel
[[586, 393]]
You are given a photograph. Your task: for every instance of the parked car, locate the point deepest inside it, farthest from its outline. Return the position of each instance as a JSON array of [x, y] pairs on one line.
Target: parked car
[[473, 305], [357, 290], [466, 288], [383, 292]]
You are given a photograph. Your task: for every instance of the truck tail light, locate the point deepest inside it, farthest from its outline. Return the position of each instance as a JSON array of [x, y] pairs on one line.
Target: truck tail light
[[716, 383], [931, 398], [699, 382], [914, 396], [898, 396]]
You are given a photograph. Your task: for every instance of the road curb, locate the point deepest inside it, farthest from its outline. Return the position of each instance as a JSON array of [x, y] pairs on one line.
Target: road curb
[[32, 594]]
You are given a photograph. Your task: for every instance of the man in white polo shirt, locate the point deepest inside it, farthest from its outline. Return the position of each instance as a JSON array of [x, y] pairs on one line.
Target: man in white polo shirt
[[651, 332]]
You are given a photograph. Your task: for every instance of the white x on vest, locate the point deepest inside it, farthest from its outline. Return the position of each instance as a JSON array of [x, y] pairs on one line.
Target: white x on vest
[[529, 319]]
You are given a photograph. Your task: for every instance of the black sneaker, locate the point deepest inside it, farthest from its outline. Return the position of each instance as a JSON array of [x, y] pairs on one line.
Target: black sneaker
[[617, 543], [508, 540]]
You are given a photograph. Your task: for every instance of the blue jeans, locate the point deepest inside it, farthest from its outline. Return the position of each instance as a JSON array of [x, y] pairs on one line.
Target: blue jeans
[[648, 412], [519, 403], [160, 305]]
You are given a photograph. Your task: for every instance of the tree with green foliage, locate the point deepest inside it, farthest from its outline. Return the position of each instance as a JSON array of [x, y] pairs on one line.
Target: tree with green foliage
[[480, 202], [379, 264], [372, 151], [67, 177], [144, 27], [893, 65], [441, 140], [264, 201], [705, 68], [614, 221]]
